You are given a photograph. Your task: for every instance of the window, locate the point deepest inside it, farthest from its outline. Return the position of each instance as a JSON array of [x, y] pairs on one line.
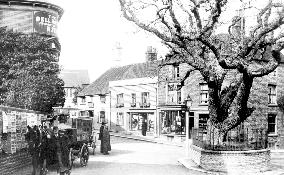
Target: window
[[133, 100], [120, 118], [271, 124], [120, 102], [145, 97], [103, 99], [203, 94], [83, 99], [176, 71], [272, 94], [102, 117], [179, 96]]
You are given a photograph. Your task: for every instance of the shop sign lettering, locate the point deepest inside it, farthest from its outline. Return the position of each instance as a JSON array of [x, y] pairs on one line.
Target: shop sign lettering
[[45, 23]]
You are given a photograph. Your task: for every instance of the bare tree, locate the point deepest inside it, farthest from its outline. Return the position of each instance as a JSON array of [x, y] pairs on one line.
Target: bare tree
[[190, 29]]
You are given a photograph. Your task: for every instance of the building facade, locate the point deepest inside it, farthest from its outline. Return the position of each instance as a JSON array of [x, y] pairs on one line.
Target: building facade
[[133, 101], [172, 109], [106, 94]]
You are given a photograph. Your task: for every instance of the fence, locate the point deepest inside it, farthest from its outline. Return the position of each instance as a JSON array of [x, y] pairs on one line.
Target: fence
[[236, 139]]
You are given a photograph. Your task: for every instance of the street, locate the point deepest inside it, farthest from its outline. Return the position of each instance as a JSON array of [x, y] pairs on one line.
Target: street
[[130, 157]]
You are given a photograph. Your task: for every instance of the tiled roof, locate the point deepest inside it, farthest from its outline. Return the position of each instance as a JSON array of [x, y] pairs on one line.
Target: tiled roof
[[138, 70], [74, 78]]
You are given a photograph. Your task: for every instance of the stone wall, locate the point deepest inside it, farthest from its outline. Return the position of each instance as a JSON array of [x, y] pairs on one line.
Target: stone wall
[[246, 162], [10, 163]]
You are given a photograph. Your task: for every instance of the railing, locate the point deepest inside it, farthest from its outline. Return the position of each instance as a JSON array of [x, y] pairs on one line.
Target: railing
[[237, 139]]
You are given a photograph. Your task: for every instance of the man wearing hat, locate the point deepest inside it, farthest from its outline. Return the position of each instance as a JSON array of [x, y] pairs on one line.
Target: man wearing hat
[[101, 135]]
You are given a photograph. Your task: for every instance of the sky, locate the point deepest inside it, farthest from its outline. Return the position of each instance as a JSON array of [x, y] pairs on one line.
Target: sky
[[89, 31]]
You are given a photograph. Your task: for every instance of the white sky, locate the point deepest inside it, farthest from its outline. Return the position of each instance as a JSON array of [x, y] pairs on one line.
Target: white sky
[[88, 32]]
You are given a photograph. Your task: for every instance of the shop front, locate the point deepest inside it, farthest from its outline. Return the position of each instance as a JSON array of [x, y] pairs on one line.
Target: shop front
[[172, 122], [137, 118]]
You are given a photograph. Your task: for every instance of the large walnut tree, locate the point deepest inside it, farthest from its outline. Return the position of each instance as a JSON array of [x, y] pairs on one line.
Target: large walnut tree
[[216, 37]]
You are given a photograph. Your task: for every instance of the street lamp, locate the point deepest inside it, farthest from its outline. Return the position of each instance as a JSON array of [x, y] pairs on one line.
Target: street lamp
[[188, 103]]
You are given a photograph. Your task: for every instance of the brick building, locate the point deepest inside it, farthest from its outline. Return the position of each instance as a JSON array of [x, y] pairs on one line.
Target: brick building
[[172, 109]]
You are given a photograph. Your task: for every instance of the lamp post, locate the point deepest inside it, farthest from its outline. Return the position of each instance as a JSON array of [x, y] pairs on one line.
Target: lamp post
[[188, 103]]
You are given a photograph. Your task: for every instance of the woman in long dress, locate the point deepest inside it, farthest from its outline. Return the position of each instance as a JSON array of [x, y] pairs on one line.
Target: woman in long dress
[[106, 147]]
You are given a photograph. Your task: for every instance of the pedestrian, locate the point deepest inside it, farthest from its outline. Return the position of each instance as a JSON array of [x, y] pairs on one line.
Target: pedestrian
[[44, 152], [144, 127], [61, 149], [105, 141], [101, 135], [33, 144]]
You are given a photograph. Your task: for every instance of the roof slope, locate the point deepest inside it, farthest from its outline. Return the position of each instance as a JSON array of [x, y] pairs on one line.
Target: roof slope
[[74, 78], [138, 70]]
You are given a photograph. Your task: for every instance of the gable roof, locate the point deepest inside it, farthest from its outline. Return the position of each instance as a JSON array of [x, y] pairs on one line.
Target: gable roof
[[74, 78], [138, 70]]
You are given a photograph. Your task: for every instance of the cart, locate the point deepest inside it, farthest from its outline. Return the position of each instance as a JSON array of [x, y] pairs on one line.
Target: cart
[[78, 148], [85, 132]]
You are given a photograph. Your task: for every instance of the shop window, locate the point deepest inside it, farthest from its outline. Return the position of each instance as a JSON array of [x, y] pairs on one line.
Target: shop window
[[133, 100], [271, 124], [203, 93], [120, 101], [120, 118], [272, 94], [134, 122], [102, 117], [173, 122]]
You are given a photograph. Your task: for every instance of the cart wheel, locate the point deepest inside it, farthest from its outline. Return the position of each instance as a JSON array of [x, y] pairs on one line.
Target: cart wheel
[[70, 160], [84, 157]]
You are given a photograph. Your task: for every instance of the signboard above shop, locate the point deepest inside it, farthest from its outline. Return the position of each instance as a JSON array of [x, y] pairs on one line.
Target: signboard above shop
[[45, 23]]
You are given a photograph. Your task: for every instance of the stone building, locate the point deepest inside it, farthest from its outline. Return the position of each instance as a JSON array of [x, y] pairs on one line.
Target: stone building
[[172, 109]]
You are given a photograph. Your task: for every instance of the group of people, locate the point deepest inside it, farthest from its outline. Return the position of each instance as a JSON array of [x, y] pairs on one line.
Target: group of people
[[47, 146]]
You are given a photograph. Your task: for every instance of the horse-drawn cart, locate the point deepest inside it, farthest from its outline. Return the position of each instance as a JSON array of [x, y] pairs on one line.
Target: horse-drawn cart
[[78, 148]]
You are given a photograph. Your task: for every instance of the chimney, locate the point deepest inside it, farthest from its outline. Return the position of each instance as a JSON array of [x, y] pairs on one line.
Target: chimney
[[151, 54], [85, 85]]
